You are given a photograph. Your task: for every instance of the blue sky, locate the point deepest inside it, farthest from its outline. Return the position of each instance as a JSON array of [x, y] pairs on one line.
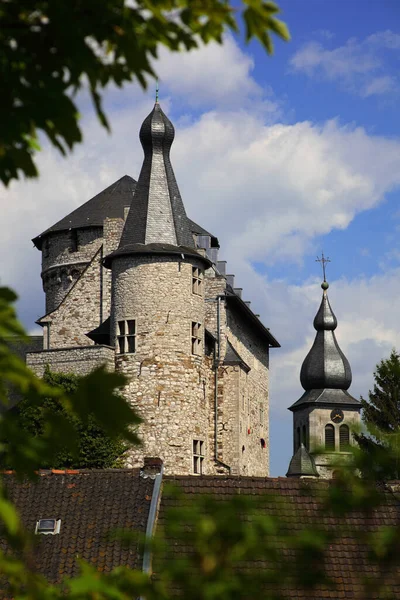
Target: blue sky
[[280, 157]]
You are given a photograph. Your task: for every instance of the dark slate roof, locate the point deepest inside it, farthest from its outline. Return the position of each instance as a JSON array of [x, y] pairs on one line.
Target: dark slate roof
[[302, 464], [232, 357], [297, 503], [159, 216], [327, 397], [108, 203], [325, 373], [245, 311], [199, 230], [90, 504], [325, 366]]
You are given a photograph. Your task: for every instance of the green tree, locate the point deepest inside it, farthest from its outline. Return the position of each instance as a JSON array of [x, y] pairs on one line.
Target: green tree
[[381, 416], [50, 49], [95, 449]]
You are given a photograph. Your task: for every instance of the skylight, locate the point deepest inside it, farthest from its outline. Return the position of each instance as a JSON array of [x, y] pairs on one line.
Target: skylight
[[48, 526]]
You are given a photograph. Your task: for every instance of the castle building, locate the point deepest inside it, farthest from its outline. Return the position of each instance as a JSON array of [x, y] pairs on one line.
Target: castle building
[[325, 414], [131, 282]]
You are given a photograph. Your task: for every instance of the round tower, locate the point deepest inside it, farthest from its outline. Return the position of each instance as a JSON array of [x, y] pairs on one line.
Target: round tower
[[157, 313]]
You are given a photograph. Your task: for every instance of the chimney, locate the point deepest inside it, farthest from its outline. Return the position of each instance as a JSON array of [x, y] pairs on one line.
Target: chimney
[[212, 254], [230, 280], [248, 303], [238, 291], [151, 467], [221, 267]]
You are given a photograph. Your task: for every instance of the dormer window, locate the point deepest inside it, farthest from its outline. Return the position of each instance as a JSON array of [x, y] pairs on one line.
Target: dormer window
[[48, 526]]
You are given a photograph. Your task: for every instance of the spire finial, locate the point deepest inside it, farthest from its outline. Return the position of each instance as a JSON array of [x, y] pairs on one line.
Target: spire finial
[[323, 262], [156, 90]]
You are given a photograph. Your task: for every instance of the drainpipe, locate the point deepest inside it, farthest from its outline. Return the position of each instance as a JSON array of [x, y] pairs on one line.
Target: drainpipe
[[101, 283], [217, 358], [151, 519]]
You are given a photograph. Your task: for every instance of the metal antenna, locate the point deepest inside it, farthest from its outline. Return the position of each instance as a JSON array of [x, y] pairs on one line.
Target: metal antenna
[[156, 89], [323, 262]]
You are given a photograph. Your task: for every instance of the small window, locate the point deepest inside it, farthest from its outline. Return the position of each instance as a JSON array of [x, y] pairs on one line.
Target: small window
[[48, 526], [74, 241], [126, 337], [46, 248], [198, 456], [196, 338], [329, 437], [197, 281], [344, 438]]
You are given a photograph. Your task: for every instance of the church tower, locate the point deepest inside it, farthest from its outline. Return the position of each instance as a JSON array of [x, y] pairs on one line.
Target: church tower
[[326, 412], [158, 312]]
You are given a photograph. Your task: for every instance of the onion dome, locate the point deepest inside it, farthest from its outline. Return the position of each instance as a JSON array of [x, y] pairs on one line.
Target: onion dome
[[325, 366], [325, 374]]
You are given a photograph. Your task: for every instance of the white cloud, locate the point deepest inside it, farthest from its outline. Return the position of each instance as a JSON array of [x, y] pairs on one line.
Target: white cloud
[[379, 86], [266, 189], [359, 65]]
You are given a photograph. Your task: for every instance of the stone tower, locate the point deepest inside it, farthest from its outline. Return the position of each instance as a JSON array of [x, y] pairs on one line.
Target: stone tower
[[158, 310], [326, 412]]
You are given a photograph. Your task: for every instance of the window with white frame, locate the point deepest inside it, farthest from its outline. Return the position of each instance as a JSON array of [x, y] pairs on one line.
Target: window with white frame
[[126, 336], [198, 456], [197, 281], [196, 338]]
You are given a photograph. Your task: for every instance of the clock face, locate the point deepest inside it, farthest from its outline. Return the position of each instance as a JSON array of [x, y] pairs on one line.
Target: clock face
[[337, 415]]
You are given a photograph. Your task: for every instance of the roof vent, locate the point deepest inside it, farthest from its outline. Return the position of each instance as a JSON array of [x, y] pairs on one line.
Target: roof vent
[[48, 526]]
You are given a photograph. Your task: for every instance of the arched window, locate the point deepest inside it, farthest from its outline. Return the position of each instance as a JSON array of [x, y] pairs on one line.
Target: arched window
[[329, 437], [344, 437], [304, 436], [298, 440]]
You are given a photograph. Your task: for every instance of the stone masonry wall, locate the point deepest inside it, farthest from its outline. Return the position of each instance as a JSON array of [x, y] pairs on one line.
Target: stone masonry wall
[[169, 386], [253, 414], [243, 403], [112, 231], [315, 420], [61, 267], [80, 361], [79, 312]]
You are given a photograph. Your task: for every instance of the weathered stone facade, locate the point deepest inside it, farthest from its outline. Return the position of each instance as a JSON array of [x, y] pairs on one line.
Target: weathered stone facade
[[142, 294]]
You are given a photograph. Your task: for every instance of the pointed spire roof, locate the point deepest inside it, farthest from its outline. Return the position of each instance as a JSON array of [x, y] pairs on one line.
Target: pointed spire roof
[[158, 223], [302, 464], [325, 374]]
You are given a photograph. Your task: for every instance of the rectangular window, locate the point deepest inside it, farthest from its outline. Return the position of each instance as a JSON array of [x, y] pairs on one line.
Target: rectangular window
[[197, 281], [196, 338], [198, 456], [126, 337]]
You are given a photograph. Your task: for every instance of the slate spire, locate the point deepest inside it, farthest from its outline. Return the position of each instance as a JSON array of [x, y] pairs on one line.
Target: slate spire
[[157, 215], [325, 366]]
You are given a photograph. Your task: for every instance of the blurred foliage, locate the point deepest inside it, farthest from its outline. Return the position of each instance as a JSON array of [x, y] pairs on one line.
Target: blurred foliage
[[381, 415], [95, 449], [51, 49], [232, 548]]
